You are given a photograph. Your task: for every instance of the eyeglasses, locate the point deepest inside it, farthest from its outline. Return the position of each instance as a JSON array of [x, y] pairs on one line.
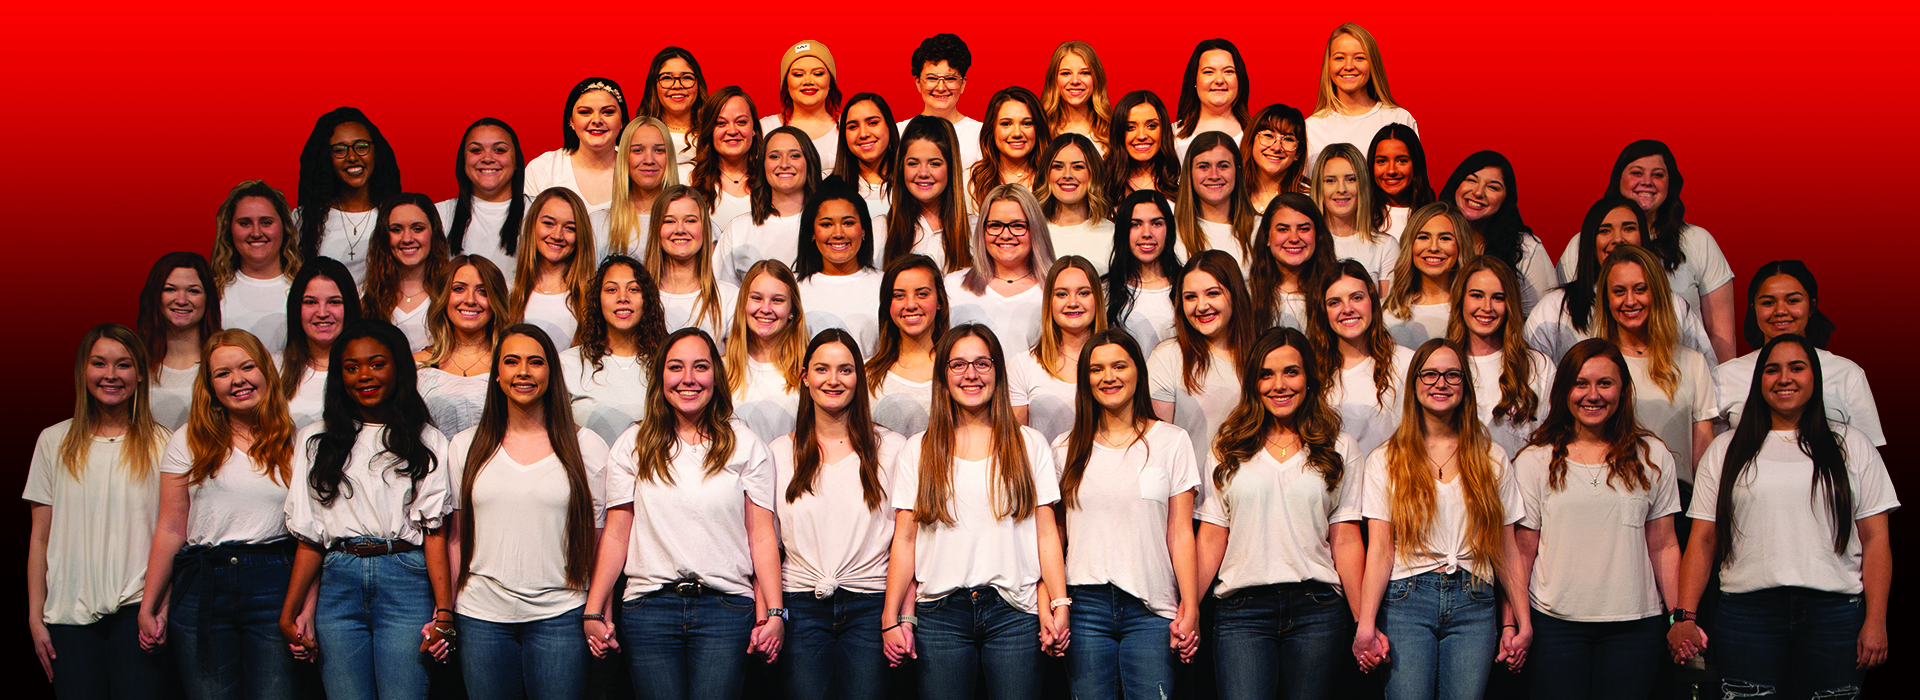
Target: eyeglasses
[[362, 148], [943, 81], [1017, 229], [1433, 376], [683, 80], [983, 365]]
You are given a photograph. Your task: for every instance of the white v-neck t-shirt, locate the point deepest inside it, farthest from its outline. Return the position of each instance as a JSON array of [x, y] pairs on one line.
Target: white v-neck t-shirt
[[1366, 415], [1117, 533], [1015, 320], [1447, 548], [1280, 514], [259, 307], [102, 528], [695, 527], [517, 569], [1849, 400], [236, 504], [1200, 413], [833, 541]]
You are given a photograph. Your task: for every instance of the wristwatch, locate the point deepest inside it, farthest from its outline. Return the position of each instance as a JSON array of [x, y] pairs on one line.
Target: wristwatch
[[1683, 615], [777, 612]]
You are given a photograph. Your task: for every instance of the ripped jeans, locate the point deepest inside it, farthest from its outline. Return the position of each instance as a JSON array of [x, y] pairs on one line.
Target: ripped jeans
[[1788, 643]]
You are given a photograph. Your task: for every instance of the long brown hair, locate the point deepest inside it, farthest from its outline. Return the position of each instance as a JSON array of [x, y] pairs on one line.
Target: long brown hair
[[1087, 411], [1518, 403], [210, 428], [1663, 328], [656, 441], [152, 325], [707, 303], [887, 350], [1327, 343], [1195, 349], [145, 438], [1411, 486], [705, 177], [1013, 492], [1186, 208], [594, 330], [1244, 433], [1264, 273], [984, 176], [1623, 434], [562, 436], [790, 342], [382, 295], [1047, 349], [904, 211], [440, 333], [527, 260], [806, 448]]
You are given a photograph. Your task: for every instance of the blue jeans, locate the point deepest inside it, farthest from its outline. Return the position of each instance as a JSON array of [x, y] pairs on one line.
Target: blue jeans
[[497, 658], [1444, 630], [833, 646], [687, 647], [1119, 646], [224, 622], [1581, 660], [1788, 642], [368, 625], [103, 660], [1297, 636], [969, 631]]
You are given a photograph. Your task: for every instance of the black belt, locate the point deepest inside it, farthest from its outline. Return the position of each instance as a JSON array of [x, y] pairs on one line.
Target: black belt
[[689, 588], [375, 549]]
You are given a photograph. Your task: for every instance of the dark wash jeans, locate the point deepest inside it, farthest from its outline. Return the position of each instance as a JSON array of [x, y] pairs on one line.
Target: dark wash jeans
[[1120, 647], [969, 631], [688, 647], [1788, 642], [1296, 636], [1595, 660], [833, 647], [103, 660], [539, 659], [224, 623]]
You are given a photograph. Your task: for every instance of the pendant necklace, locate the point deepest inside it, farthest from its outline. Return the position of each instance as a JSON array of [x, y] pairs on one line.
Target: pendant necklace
[[353, 234]]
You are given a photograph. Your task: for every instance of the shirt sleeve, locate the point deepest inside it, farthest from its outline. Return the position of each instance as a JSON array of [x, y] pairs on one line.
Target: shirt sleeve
[[1705, 406], [1509, 488], [1350, 493], [1021, 374], [1163, 372], [1706, 480], [1375, 488], [1872, 486], [1183, 469], [1211, 505], [1862, 413], [302, 522], [1666, 486], [433, 496], [456, 465], [622, 468], [1542, 328], [1530, 476], [1704, 253], [1046, 479], [906, 474], [178, 459], [45, 464], [1536, 273], [593, 456], [757, 476], [1730, 390]]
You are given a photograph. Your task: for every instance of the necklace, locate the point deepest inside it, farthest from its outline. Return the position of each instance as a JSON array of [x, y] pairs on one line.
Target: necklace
[[1790, 436], [466, 369], [1439, 468], [1287, 450], [1011, 280], [353, 232]]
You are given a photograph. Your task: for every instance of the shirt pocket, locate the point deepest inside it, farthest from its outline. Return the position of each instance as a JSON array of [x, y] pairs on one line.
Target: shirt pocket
[[1155, 484], [1633, 506]]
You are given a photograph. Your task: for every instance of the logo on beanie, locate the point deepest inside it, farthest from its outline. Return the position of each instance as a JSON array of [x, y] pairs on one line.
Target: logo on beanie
[[797, 48]]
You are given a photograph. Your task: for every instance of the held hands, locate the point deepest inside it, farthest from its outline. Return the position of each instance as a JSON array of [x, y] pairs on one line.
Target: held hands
[[766, 637], [600, 638], [298, 632], [1872, 646], [42, 646], [1054, 632], [1370, 648], [898, 644], [1184, 635], [1686, 640], [436, 638], [153, 630], [1513, 646]]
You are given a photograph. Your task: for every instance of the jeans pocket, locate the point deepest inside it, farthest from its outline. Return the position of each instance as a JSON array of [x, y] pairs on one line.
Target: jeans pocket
[[1398, 591], [1481, 591], [632, 605], [1232, 602], [734, 602], [924, 606], [414, 561], [1327, 598]]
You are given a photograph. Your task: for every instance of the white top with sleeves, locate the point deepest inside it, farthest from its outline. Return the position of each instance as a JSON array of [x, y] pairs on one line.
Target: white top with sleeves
[[377, 507], [1671, 418], [1015, 320], [1511, 434], [607, 399], [695, 527], [1151, 317], [483, 230], [1085, 239], [1366, 415], [1280, 514], [237, 504], [1424, 322], [517, 569], [1593, 564], [765, 403], [1446, 549], [258, 307], [848, 302], [551, 313], [102, 528], [1118, 530], [454, 401], [555, 169], [1200, 413], [679, 311], [1549, 328], [745, 243], [1705, 269], [1049, 399], [1324, 130], [902, 405], [310, 399], [170, 398], [832, 539], [1378, 255], [980, 548], [1844, 389]]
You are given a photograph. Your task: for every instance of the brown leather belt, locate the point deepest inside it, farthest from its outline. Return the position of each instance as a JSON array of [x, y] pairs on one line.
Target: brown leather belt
[[376, 549]]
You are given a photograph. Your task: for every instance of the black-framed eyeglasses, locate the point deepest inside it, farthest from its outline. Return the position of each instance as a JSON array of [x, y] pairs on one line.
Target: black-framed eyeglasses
[[362, 148], [983, 365], [1017, 229], [682, 80], [1433, 376]]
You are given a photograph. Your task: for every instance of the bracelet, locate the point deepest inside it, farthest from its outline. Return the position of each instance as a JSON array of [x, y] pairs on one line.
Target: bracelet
[[1510, 625], [437, 611], [909, 620], [598, 617], [1060, 603], [890, 628]]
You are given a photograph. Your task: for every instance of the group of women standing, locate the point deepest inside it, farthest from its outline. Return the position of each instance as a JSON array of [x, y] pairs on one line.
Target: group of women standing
[[1084, 379]]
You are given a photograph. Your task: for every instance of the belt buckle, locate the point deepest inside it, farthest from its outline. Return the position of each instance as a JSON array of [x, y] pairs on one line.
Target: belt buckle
[[687, 589]]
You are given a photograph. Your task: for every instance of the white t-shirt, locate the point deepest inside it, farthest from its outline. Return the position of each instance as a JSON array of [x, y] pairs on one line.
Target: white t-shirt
[[1593, 564], [483, 229], [1049, 399], [310, 399], [1395, 225], [1424, 322], [258, 307], [555, 169], [1200, 413], [1368, 417], [170, 399], [1378, 255], [551, 313], [609, 399], [1447, 548], [1015, 320], [966, 131], [1280, 514], [728, 209], [765, 403], [925, 242], [1536, 273], [454, 401], [413, 324], [878, 196], [1085, 239], [696, 527], [850, 302], [1512, 435], [679, 310], [827, 146], [377, 505], [238, 503], [745, 243], [344, 236], [1843, 387], [101, 532], [1324, 130], [1150, 317], [902, 405], [1551, 329], [517, 569], [1118, 532], [1290, 310], [1704, 271], [832, 539], [980, 548], [1782, 530], [1180, 142], [1671, 418], [1220, 237]]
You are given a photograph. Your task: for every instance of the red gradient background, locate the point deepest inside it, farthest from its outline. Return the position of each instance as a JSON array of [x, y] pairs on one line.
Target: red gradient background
[[132, 122]]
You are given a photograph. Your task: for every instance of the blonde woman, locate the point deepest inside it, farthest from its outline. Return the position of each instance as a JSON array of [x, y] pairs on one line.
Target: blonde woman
[[1438, 243], [555, 264], [466, 317], [1354, 100], [1676, 400], [765, 347], [1341, 187], [647, 145], [1044, 376], [1011, 250], [1510, 379], [1074, 96], [678, 258], [254, 261], [1073, 195]]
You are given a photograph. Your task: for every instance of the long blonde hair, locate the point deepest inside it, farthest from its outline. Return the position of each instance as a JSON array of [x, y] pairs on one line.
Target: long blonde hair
[[209, 427], [226, 259], [1014, 495], [145, 438], [1398, 299], [1663, 328], [1518, 402], [789, 343], [1363, 222], [706, 305], [1411, 488], [1376, 75], [623, 222], [440, 334], [580, 264], [1047, 349], [1053, 105]]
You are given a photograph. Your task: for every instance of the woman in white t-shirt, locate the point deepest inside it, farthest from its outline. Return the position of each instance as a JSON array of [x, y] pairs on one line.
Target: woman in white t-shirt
[[1676, 402], [606, 373], [368, 499], [464, 321], [1044, 376], [1792, 515], [346, 169], [1345, 197], [1419, 296], [555, 264], [1354, 100], [1211, 212], [484, 217], [900, 374], [1598, 535], [1359, 362], [1292, 246], [1144, 136], [1072, 194], [529, 500], [810, 100], [836, 527], [835, 265], [1073, 96], [406, 264], [928, 212], [869, 150], [1441, 505], [1272, 159], [1213, 96], [589, 152], [1011, 140], [771, 230], [676, 95], [1011, 250], [1280, 529], [764, 349], [322, 303], [254, 260], [1195, 375], [723, 165], [975, 577], [1783, 297], [1127, 486], [690, 523], [178, 308], [1400, 183], [1140, 275], [1510, 380], [220, 557], [1568, 314], [1484, 189], [93, 498], [678, 257], [647, 150]]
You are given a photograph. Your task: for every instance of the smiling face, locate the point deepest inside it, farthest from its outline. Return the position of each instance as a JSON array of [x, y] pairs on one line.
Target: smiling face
[[866, 132], [323, 311], [236, 379], [784, 163], [1485, 305], [112, 374], [1068, 175], [647, 159], [769, 306], [1340, 189], [1218, 80], [832, 375], [596, 120], [1349, 308], [1392, 166], [257, 231], [522, 372], [620, 295], [1205, 303], [1278, 149], [183, 299], [674, 85], [1007, 231], [1629, 297], [1782, 306], [940, 86], [1147, 232], [556, 231], [807, 82], [1440, 383], [1291, 240], [487, 160], [1786, 382], [1596, 393], [925, 171], [732, 130], [1351, 67], [1074, 80], [1436, 247], [1113, 376], [1481, 193], [687, 375], [352, 166], [1072, 301], [1619, 226], [468, 308], [913, 302], [1282, 382], [1645, 182], [971, 374], [683, 230], [366, 365], [1013, 131], [1213, 176], [1142, 137], [838, 235], [409, 235]]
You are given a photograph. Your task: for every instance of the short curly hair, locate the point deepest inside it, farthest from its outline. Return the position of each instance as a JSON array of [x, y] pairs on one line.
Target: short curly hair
[[943, 47]]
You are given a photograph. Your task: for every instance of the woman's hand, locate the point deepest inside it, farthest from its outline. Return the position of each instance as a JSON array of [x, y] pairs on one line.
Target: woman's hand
[[1054, 632], [1686, 640], [1370, 648], [298, 632], [1513, 646], [898, 644], [436, 638], [1184, 635], [153, 629], [1872, 647], [42, 646], [767, 635], [600, 638]]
